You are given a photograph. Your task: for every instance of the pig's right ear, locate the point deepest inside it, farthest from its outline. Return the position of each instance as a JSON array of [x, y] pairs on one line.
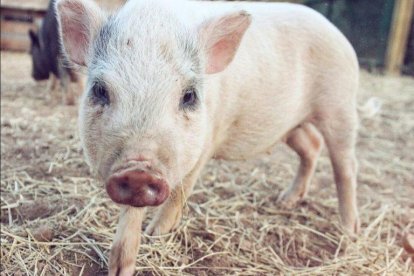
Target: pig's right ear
[[79, 22], [221, 37]]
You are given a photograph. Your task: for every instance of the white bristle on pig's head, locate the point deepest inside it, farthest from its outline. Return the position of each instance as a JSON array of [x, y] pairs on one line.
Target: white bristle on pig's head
[[146, 66], [139, 63]]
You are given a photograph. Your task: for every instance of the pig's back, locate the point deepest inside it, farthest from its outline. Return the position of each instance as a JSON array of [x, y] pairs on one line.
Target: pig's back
[[289, 63]]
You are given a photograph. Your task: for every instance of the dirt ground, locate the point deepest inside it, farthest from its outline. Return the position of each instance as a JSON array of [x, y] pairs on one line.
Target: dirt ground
[[57, 220]]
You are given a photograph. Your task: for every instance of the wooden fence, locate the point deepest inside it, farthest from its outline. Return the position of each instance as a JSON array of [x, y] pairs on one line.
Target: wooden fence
[[379, 33]]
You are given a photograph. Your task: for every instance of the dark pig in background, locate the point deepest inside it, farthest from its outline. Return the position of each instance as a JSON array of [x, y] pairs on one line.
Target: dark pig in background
[[48, 59]]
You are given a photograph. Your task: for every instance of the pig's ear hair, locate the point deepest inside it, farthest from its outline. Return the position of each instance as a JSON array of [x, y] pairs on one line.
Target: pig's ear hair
[[221, 37], [33, 37], [79, 22]]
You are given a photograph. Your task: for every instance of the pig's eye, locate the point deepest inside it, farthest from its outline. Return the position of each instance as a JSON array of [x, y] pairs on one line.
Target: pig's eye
[[100, 95], [189, 99]]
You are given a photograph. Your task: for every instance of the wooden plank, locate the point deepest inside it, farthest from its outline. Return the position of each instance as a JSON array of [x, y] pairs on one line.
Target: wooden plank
[[16, 27], [21, 15], [397, 42], [14, 42], [35, 5], [42, 5]]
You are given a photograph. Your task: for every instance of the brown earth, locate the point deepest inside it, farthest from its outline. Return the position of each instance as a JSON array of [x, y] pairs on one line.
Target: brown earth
[[57, 220]]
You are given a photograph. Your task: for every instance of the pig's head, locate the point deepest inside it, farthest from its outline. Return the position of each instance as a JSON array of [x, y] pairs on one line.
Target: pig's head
[[144, 121], [40, 67]]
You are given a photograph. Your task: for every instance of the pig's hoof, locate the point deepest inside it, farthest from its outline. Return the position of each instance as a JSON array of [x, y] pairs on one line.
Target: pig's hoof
[[288, 198], [121, 271], [163, 223], [352, 228], [119, 264]]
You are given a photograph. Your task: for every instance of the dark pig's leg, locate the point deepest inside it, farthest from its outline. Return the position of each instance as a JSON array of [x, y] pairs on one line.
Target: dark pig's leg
[[68, 97]]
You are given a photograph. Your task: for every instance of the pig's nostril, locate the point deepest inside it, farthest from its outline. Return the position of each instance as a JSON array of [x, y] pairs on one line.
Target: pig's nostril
[[124, 186], [124, 189], [152, 190]]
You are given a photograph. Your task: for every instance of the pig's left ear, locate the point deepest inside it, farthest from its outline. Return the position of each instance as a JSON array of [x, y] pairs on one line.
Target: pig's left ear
[[221, 37], [79, 22]]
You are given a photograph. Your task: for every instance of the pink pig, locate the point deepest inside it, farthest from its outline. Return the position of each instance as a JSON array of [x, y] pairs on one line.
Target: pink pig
[[172, 84]]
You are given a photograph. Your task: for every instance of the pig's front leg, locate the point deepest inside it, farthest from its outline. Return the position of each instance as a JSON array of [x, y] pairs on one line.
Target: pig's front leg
[[126, 242], [52, 84], [169, 215]]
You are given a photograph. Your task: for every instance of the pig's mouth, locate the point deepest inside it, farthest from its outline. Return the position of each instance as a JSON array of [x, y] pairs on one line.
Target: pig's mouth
[[137, 188]]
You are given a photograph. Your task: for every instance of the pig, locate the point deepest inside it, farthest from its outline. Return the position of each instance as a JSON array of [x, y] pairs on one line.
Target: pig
[[172, 84], [47, 59]]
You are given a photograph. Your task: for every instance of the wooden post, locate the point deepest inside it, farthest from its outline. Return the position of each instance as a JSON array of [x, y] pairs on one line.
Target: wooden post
[[397, 41]]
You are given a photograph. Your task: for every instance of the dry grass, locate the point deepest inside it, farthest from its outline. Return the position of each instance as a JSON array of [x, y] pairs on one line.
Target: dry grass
[[57, 220]]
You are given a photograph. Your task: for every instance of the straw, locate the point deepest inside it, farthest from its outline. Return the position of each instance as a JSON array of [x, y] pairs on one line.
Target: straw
[[231, 224]]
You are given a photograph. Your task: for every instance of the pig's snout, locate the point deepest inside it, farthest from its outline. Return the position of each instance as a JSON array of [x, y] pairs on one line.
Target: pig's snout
[[137, 188]]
